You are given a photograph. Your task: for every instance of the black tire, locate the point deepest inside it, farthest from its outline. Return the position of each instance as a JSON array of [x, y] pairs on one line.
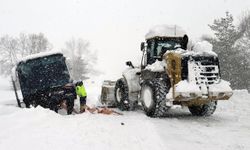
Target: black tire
[[121, 95], [153, 97], [203, 110]]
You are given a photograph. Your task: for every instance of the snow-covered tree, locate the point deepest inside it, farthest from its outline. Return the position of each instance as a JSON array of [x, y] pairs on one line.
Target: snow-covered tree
[[8, 53], [14, 48], [243, 45], [233, 59], [80, 59], [33, 43]]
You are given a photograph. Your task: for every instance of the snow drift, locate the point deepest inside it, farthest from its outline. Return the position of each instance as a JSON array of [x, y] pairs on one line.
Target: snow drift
[[40, 129]]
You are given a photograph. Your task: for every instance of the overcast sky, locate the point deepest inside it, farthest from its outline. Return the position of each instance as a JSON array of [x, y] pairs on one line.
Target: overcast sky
[[114, 28]]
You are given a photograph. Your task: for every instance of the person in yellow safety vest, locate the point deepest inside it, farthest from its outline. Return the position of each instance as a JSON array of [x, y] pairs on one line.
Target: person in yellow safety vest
[[81, 92]]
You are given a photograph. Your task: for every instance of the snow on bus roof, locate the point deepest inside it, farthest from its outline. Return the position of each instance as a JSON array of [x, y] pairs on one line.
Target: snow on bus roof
[[33, 56], [41, 54], [165, 31]]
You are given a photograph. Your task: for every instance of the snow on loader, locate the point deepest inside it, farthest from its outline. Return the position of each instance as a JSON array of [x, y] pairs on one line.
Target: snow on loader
[[44, 80], [171, 74]]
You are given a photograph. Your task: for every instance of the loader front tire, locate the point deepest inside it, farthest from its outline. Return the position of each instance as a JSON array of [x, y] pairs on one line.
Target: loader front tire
[[153, 97], [121, 95], [203, 110]]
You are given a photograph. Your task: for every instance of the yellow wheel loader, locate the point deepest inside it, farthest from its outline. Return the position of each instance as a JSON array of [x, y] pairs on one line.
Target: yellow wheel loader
[[172, 74]]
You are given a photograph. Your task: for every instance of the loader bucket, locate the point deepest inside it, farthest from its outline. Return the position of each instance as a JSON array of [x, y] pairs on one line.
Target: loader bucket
[[107, 93]]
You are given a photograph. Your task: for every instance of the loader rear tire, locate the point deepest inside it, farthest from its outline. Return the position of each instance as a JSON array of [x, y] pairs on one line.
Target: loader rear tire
[[121, 95], [203, 110]]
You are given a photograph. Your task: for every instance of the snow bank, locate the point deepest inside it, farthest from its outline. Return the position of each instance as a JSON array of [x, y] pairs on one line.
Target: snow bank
[[41, 129], [165, 31], [158, 66]]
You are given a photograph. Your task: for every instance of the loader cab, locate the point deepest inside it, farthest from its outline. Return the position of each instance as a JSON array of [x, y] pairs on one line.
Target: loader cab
[[157, 46]]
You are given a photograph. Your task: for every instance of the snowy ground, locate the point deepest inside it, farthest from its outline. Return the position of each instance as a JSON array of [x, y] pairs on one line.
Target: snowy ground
[[42, 129]]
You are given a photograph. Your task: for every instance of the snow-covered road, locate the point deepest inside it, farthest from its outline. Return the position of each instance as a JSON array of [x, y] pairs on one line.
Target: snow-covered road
[[42, 129]]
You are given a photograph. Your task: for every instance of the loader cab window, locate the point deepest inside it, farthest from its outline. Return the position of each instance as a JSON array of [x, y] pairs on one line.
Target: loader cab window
[[163, 46], [158, 46]]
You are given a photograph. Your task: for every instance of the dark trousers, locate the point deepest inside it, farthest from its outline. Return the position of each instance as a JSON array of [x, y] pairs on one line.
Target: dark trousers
[[83, 100]]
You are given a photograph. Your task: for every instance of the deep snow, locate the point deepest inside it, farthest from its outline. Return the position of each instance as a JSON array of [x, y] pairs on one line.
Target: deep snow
[[42, 129]]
